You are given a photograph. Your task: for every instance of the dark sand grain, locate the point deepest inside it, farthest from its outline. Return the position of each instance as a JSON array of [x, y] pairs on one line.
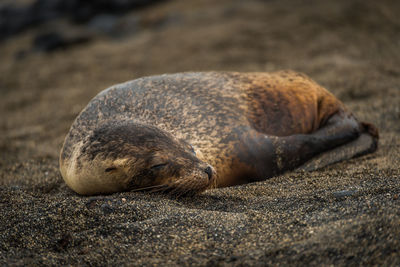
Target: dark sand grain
[[346, 214]]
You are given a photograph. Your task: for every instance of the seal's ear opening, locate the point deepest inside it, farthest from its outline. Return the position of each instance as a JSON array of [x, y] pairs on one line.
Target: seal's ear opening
[[115, 166]]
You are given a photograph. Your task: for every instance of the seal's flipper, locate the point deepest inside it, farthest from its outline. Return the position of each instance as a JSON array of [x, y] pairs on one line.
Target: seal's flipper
[[263, 156], [364, 144]]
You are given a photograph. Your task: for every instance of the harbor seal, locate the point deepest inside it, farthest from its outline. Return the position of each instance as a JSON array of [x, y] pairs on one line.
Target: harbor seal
[[188, 132]]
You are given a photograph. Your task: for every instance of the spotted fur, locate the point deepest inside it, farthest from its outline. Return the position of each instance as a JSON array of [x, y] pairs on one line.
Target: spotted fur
[[247, 126]]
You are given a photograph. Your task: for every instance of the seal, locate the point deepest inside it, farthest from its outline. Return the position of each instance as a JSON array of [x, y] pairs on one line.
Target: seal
[[188, 132]]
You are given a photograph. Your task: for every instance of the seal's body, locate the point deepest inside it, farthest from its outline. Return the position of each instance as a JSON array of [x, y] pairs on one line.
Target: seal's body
[[191, 131]]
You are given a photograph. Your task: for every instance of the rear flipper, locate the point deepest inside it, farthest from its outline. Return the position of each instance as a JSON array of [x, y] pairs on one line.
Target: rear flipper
[[366, 143], [258, 156]]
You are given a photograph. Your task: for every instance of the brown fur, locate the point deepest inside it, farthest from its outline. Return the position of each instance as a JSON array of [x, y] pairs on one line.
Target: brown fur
[[248, 126]]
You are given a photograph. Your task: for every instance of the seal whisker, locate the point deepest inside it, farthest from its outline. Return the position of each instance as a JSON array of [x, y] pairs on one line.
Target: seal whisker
[[181, 193], [154, 187], [162, 189], [184, 189], [174, 190], [178, 190]]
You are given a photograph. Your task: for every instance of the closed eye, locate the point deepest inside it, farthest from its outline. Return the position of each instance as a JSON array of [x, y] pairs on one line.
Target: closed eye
[[110, 169], [158, 166]]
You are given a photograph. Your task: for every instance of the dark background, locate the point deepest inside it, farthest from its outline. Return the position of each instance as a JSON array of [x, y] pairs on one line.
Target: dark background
[[56, 55]]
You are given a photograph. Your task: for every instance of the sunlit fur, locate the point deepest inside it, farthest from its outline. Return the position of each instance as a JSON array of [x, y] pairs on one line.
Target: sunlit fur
[[119, 156], [140, 135]]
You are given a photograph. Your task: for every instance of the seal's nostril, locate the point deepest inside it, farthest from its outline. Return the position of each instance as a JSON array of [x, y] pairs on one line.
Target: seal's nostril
[[208, 170]]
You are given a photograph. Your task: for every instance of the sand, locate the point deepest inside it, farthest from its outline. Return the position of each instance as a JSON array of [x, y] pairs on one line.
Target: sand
[[346, 214]]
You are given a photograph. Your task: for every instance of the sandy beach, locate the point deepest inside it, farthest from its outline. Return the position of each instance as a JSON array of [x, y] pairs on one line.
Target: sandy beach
[[345, 214]]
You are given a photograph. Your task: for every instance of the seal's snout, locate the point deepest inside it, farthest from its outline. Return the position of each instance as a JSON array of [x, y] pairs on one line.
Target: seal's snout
[[209, 172]]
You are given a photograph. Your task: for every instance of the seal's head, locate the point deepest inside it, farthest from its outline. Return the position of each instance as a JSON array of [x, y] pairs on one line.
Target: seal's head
[[124, 155]]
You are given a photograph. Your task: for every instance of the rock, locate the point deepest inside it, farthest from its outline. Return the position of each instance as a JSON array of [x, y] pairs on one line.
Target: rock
[[106, 208], [344, 193], [17, 18], [103, 23], [51, 41]]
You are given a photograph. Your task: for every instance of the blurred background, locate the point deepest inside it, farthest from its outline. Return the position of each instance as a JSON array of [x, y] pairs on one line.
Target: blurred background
[[55, 55]]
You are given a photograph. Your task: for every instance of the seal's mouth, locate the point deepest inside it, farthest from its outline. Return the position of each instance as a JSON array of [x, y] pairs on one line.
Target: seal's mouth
[[192, 183]]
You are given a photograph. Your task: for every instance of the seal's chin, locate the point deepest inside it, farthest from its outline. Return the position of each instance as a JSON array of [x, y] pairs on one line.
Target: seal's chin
[[185, 181], [192, 183]]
